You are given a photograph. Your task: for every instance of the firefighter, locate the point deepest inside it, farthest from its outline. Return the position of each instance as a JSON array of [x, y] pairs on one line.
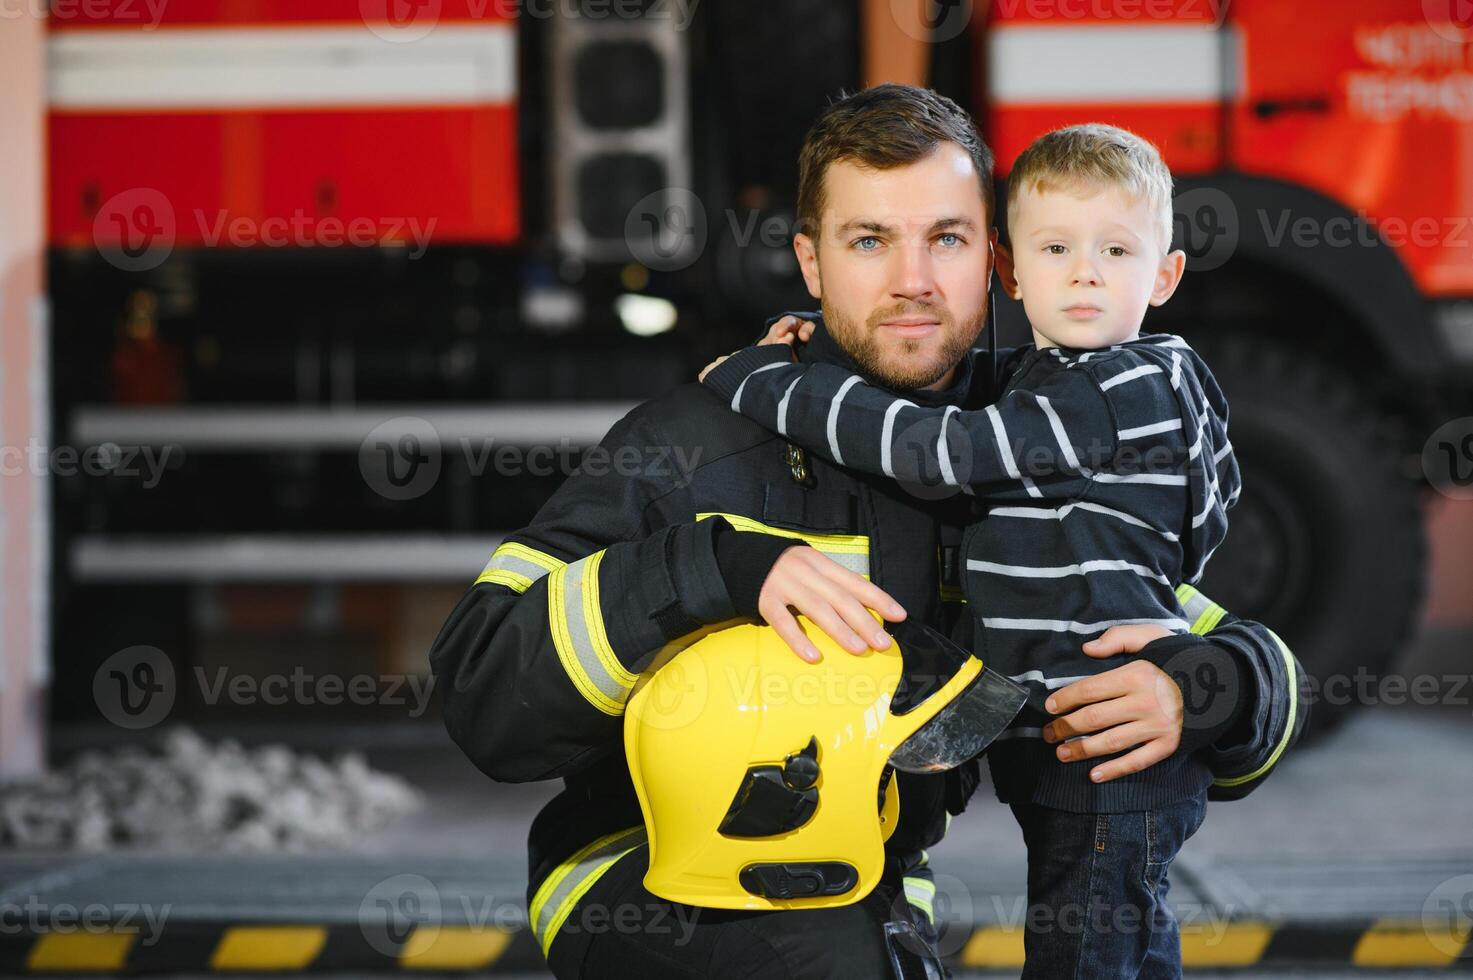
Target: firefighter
[[722, 522]]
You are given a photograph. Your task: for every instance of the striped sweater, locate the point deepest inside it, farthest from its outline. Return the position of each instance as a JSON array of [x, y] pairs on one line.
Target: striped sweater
[[1106, 477]]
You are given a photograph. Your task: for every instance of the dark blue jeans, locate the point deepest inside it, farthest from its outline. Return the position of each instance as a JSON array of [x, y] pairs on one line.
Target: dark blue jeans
[[1097, 885]]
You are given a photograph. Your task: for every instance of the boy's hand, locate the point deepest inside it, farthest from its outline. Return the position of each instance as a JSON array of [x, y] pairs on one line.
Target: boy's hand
[[707, 369], [1134, 705], [784, 331]]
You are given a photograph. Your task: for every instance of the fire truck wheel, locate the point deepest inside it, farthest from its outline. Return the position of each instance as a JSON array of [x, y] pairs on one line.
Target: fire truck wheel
[[1326, 545]]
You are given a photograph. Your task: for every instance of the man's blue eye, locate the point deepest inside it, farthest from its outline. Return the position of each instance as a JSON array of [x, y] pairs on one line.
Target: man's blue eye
[[863, 240], [954, 239]]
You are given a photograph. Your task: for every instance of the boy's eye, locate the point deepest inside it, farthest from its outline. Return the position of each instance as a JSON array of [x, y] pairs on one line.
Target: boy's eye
[[1116, 251], [1054, 249]]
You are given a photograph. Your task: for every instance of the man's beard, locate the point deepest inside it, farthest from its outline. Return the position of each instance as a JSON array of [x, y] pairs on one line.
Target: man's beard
[[861, 343]]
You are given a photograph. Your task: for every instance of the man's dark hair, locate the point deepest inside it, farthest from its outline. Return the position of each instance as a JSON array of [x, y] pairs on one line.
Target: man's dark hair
[[882, 127]]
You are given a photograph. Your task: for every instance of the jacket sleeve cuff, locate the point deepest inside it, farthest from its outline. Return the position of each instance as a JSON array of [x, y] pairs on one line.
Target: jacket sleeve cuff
[[1213, 688], [746, 559], [726, 377]]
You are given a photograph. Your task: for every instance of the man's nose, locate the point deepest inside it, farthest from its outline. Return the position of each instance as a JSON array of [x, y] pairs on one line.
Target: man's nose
[[914, 274]]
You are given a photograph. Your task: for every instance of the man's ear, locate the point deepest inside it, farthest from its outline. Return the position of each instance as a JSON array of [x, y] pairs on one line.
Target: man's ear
[[1168, 276], [1006, 275], [807, 251]]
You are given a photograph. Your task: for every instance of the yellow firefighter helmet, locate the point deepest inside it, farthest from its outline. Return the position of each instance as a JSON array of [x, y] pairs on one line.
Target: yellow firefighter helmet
[[767, 782]]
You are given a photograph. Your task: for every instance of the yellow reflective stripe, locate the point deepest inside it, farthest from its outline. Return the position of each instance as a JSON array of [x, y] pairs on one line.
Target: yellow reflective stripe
[[577, 628], [571, 879], [453, 948], [849, 550], [1202, 611], [80, 952], [919, 892], [593, 618], [268, 947], [517, 566], [1288, 725], [1403, 943]]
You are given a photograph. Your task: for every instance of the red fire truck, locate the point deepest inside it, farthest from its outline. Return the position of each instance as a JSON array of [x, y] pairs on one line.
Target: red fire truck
[[270, 216]]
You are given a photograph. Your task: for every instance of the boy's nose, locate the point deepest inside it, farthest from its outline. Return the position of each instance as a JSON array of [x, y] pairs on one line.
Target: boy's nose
[[1085, 273]]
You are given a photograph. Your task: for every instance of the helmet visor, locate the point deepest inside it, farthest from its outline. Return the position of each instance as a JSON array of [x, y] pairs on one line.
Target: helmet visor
[[964, 727]]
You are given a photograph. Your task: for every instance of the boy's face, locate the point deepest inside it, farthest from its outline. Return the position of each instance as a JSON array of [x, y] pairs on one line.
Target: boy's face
[[1087, 263], [903, 265]]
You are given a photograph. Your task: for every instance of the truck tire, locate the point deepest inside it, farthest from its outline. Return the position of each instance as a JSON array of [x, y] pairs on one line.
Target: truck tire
[[1326, 544]]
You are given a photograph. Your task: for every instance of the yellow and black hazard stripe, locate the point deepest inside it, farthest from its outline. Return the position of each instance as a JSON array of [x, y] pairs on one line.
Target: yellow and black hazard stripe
[[263, 947], [197, 947], [1384, 944]]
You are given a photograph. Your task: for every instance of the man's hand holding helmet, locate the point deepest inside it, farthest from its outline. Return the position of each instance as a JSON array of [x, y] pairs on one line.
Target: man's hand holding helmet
[[829, 594]]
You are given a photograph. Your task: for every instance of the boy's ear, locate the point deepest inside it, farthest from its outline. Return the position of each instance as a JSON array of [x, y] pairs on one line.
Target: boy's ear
[[1006, 274], [807, 251], [1168, 276]]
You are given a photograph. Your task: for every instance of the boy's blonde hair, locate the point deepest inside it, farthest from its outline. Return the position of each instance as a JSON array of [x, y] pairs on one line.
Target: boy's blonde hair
[[1090, 156]]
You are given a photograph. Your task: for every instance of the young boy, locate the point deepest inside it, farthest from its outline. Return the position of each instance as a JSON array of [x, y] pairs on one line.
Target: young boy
[[1106, 473]]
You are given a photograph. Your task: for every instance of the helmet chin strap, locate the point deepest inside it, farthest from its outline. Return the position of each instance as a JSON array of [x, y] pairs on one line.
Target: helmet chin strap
[[991, 323]]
